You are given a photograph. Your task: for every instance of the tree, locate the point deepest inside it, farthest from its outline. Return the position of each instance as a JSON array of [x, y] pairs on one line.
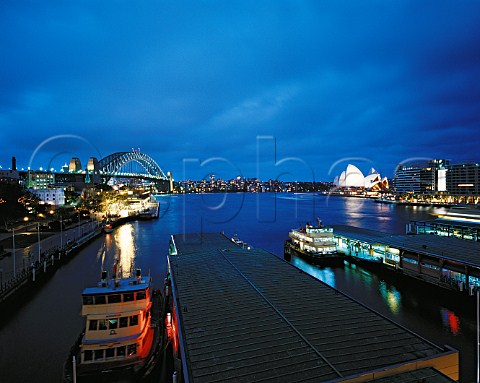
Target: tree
[[15, 203]]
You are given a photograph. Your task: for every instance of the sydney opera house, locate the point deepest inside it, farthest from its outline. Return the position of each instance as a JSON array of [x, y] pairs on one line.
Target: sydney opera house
[[352, 177]]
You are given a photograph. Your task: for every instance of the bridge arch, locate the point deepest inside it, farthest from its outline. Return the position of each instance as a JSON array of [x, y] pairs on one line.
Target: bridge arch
[[110, 165]]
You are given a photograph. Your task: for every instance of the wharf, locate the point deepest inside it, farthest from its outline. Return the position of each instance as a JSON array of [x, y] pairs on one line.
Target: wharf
[[448, 262], [249, 316]]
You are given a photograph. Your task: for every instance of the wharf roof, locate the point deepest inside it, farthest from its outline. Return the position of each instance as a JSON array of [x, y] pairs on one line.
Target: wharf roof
[[424, 375], [453, 223], [450, 248], [250, 316]]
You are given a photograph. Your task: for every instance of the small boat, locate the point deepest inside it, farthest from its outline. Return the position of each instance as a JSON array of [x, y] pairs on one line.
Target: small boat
[[107, 228], [120, 338], [315, 244], [240, 243]]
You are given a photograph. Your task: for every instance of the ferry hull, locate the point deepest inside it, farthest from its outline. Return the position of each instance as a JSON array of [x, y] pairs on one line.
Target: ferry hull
[[334, 259]]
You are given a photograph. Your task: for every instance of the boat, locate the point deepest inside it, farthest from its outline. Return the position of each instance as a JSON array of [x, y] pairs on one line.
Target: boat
[[150, 210], [121, 336], [315, 244], [240, 243], [107, 228]]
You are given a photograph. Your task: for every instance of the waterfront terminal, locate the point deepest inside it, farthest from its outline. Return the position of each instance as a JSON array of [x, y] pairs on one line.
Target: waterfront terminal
[[446, 261], [250, 316]]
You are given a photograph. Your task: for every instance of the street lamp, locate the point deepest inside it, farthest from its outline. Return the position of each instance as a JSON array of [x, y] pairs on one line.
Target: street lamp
[[13, 242], [38, 233]]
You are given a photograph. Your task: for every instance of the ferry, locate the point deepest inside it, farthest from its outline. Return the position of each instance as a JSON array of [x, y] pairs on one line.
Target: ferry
[[107, 228], [120, 337], [315, 244]]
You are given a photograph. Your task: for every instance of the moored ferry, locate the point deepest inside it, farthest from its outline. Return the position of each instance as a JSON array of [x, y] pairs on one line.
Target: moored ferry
[[119, 337], [315, 244]]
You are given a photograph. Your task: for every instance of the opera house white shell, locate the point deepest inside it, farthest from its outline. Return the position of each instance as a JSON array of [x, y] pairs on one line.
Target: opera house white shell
[[352, 177]]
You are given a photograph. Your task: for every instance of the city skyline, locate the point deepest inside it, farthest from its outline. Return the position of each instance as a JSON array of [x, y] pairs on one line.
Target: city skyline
[[277, 90]]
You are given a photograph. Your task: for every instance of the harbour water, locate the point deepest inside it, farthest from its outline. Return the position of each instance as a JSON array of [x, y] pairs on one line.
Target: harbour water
[[36, 337]]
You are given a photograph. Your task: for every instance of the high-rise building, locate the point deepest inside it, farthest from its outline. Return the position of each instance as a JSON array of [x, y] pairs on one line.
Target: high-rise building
[[464, 179], [425, 177], [407, 178]]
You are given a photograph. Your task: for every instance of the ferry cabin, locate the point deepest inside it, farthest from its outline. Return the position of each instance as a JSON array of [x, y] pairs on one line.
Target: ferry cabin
[[117, 322], [317, 240]]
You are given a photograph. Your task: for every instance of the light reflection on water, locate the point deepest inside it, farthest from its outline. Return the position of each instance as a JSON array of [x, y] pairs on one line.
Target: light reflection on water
[[370, 289], [391, 296], [451, 321], [323, 274], [125, 249]]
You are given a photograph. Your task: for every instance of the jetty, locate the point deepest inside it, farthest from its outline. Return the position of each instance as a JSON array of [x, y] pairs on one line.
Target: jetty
[[249, 316]]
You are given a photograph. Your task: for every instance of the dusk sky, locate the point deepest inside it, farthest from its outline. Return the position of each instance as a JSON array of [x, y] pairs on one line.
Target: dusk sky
[[294, 90]]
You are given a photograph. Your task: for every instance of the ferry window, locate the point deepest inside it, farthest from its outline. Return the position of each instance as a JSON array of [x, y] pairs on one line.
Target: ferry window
[[109, 353], [131, 349], [128, 297], [88, 300], [93, 325], [112, 323], [87, 355], [124, 322], [98, 354], [133, 320], [114, 298], [100, 300], [141, 295], [102, 324], [121, 351]]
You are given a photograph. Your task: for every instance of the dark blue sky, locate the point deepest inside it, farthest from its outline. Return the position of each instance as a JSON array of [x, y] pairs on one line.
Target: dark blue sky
[[275, 89]]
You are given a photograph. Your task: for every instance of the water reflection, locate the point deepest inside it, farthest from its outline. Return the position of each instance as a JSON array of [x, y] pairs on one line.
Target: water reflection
[[391, 296], [450, 321], [323, 274], [125, 249]]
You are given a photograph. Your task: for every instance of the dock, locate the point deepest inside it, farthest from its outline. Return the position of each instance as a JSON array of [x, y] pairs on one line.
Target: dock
[[449, 262], [248, 316]]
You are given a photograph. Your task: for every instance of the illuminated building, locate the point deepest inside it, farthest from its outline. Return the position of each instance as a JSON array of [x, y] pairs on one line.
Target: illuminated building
[[422, 177], [54, 196], [463, 179], [352, 177]]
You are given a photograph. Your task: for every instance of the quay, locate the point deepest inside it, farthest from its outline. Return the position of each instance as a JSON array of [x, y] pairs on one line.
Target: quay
[[446, 261], [36, 263], [249, 316]]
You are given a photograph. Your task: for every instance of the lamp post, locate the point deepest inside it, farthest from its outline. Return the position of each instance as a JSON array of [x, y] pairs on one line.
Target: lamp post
[[13, 242], [38, 234], [61, 233]]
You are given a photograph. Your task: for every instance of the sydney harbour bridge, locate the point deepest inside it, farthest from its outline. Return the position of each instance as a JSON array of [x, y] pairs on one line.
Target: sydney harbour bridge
[[119, 165]]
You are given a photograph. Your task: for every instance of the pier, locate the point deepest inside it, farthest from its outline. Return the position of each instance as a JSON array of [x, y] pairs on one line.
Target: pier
[[449, 262], [25, 268], [251, 316]]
